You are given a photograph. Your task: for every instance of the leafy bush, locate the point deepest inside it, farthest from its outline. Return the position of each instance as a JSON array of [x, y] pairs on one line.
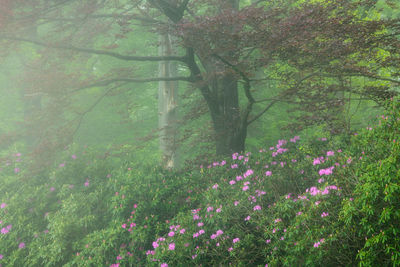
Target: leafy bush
[[374, 214], [295, 204]]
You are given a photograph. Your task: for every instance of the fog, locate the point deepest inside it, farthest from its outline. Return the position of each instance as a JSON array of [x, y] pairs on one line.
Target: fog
[[206, 133]]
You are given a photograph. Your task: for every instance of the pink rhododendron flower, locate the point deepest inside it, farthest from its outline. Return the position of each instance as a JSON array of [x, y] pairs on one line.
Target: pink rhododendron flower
[[248, 173], [313, 191], [325, 192], [155, 245], [257, 207], [333, 187], [327, 171], [316, 161], [324, 214], [150, 252]]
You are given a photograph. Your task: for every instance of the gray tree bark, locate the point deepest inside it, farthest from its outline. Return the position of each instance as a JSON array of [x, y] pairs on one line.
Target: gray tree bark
[[168, 105]]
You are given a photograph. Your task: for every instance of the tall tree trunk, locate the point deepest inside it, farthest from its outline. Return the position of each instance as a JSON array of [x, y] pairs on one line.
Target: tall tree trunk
[[221, 94], [230, 131], [229, 124], [167, 105]]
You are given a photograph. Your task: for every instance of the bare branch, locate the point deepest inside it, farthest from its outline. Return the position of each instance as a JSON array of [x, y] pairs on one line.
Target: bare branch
[[133, 80], [102, 16], [83, 114], [99, 52], [277, 100], [262, 112], [376, 77]]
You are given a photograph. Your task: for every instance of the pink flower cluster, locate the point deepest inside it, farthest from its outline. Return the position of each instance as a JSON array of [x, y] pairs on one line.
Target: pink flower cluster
[[218, 233], [6, 229], [327, 171], [317, 244], [315, 191]]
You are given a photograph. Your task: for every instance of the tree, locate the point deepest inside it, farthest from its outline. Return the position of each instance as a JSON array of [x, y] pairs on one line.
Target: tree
[[309, 49], [168, 105]]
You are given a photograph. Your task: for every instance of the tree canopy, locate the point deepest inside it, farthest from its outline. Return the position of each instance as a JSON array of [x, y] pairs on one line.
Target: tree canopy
[[316, 56]]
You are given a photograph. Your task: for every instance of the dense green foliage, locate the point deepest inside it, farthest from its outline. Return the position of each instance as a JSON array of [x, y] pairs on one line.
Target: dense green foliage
[[298, 203]]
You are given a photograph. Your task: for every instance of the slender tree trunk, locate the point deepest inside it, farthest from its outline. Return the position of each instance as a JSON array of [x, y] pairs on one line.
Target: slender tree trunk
[[167, 105]]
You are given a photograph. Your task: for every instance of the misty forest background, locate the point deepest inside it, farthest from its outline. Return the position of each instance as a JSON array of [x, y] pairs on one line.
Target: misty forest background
[[204, 133]]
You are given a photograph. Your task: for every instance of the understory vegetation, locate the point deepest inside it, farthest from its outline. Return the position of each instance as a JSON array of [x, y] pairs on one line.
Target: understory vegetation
[[298, 203]]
